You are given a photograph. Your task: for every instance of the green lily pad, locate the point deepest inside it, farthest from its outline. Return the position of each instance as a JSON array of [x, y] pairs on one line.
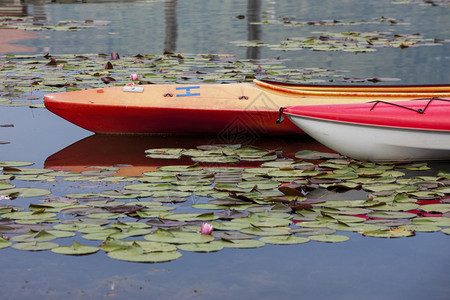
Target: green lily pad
[[396, 207], [313, 231], [391, 215], [390, 233], [204, 247], [437, 208], [423, 228], [75, 249], [25, 192], [35, 246], [178, 237], [242, 244], [4, 243], [137, 254], [39, 236], [16, 163], [265, 231], [329, 238], [6, 186], [438, 221], [284, 240], [309, 154], [28, 215], [191, 217], [112, 244]]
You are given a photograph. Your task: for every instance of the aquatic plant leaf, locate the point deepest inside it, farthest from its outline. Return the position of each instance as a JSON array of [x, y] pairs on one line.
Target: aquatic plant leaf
[[395, 207], [39, 236], [438, 221], [313, 231], [16, 163], [4, 243], [35, 246], [265, 231], [284, 240], [436, 208], [242, 244], [227, 225], [309, 154], [423, 228], [25, 192], [83, 195], [192, 217], [329, 238], [166, 194], [391, 215], [75, 249], [5, 185], [28, 215], [178, 237], [136, 254], [24, 171], [204, 247], [391, 233]]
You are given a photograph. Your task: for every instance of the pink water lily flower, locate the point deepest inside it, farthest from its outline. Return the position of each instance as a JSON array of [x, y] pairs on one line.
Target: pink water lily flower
[[206, 228], [134, 77]]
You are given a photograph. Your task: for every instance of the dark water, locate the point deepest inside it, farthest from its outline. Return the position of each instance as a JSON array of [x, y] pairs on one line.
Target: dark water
[[362, 268]]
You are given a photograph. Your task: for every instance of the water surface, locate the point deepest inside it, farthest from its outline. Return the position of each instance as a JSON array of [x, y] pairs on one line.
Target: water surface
[[362, 268]]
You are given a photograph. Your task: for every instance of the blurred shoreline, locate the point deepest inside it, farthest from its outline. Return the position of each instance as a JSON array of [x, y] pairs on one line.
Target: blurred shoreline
[[9, 36]]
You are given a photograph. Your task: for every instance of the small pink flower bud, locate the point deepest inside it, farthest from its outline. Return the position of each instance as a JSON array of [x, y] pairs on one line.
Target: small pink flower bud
[[134, 77], [206, 228]]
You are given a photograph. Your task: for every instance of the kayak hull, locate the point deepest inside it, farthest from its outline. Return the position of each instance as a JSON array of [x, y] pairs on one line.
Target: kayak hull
[[385, 133], [106, 119]]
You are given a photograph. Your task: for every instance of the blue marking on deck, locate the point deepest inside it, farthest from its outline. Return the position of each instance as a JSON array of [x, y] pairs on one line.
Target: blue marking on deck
[[188, 91]]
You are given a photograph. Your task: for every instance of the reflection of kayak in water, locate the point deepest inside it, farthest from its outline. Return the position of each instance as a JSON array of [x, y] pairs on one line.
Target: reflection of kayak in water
[[207, 108], [128, 152]]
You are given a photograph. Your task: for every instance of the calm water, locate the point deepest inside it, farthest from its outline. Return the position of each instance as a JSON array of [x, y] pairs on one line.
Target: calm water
[[362, 268]]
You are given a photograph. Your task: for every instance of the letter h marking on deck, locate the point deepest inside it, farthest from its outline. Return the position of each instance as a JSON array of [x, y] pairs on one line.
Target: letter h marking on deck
[[188, 91]]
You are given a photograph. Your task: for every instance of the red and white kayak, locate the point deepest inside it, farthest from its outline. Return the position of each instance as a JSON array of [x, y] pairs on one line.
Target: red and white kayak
[[240, 108], [379, 131]]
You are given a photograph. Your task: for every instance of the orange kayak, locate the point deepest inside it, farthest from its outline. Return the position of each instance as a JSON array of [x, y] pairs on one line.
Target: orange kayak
[[240, 108]]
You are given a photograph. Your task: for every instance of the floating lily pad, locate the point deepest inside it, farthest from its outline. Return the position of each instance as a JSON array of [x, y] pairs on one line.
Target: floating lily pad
[[391, 233], [4, 243], [137, 254], [35, 246], [242, 244], [308, 154], [178, 237], [391, 215], [39, 236], [284, 240], [16, 163], [25, 171], [75, 249], [28, 215], [25, 192], [437, 208], [329, 238], [6, 186], [265, 231], [204, 247]]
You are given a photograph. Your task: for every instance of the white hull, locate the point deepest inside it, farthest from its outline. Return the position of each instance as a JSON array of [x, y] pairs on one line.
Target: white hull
[[377, 143]]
